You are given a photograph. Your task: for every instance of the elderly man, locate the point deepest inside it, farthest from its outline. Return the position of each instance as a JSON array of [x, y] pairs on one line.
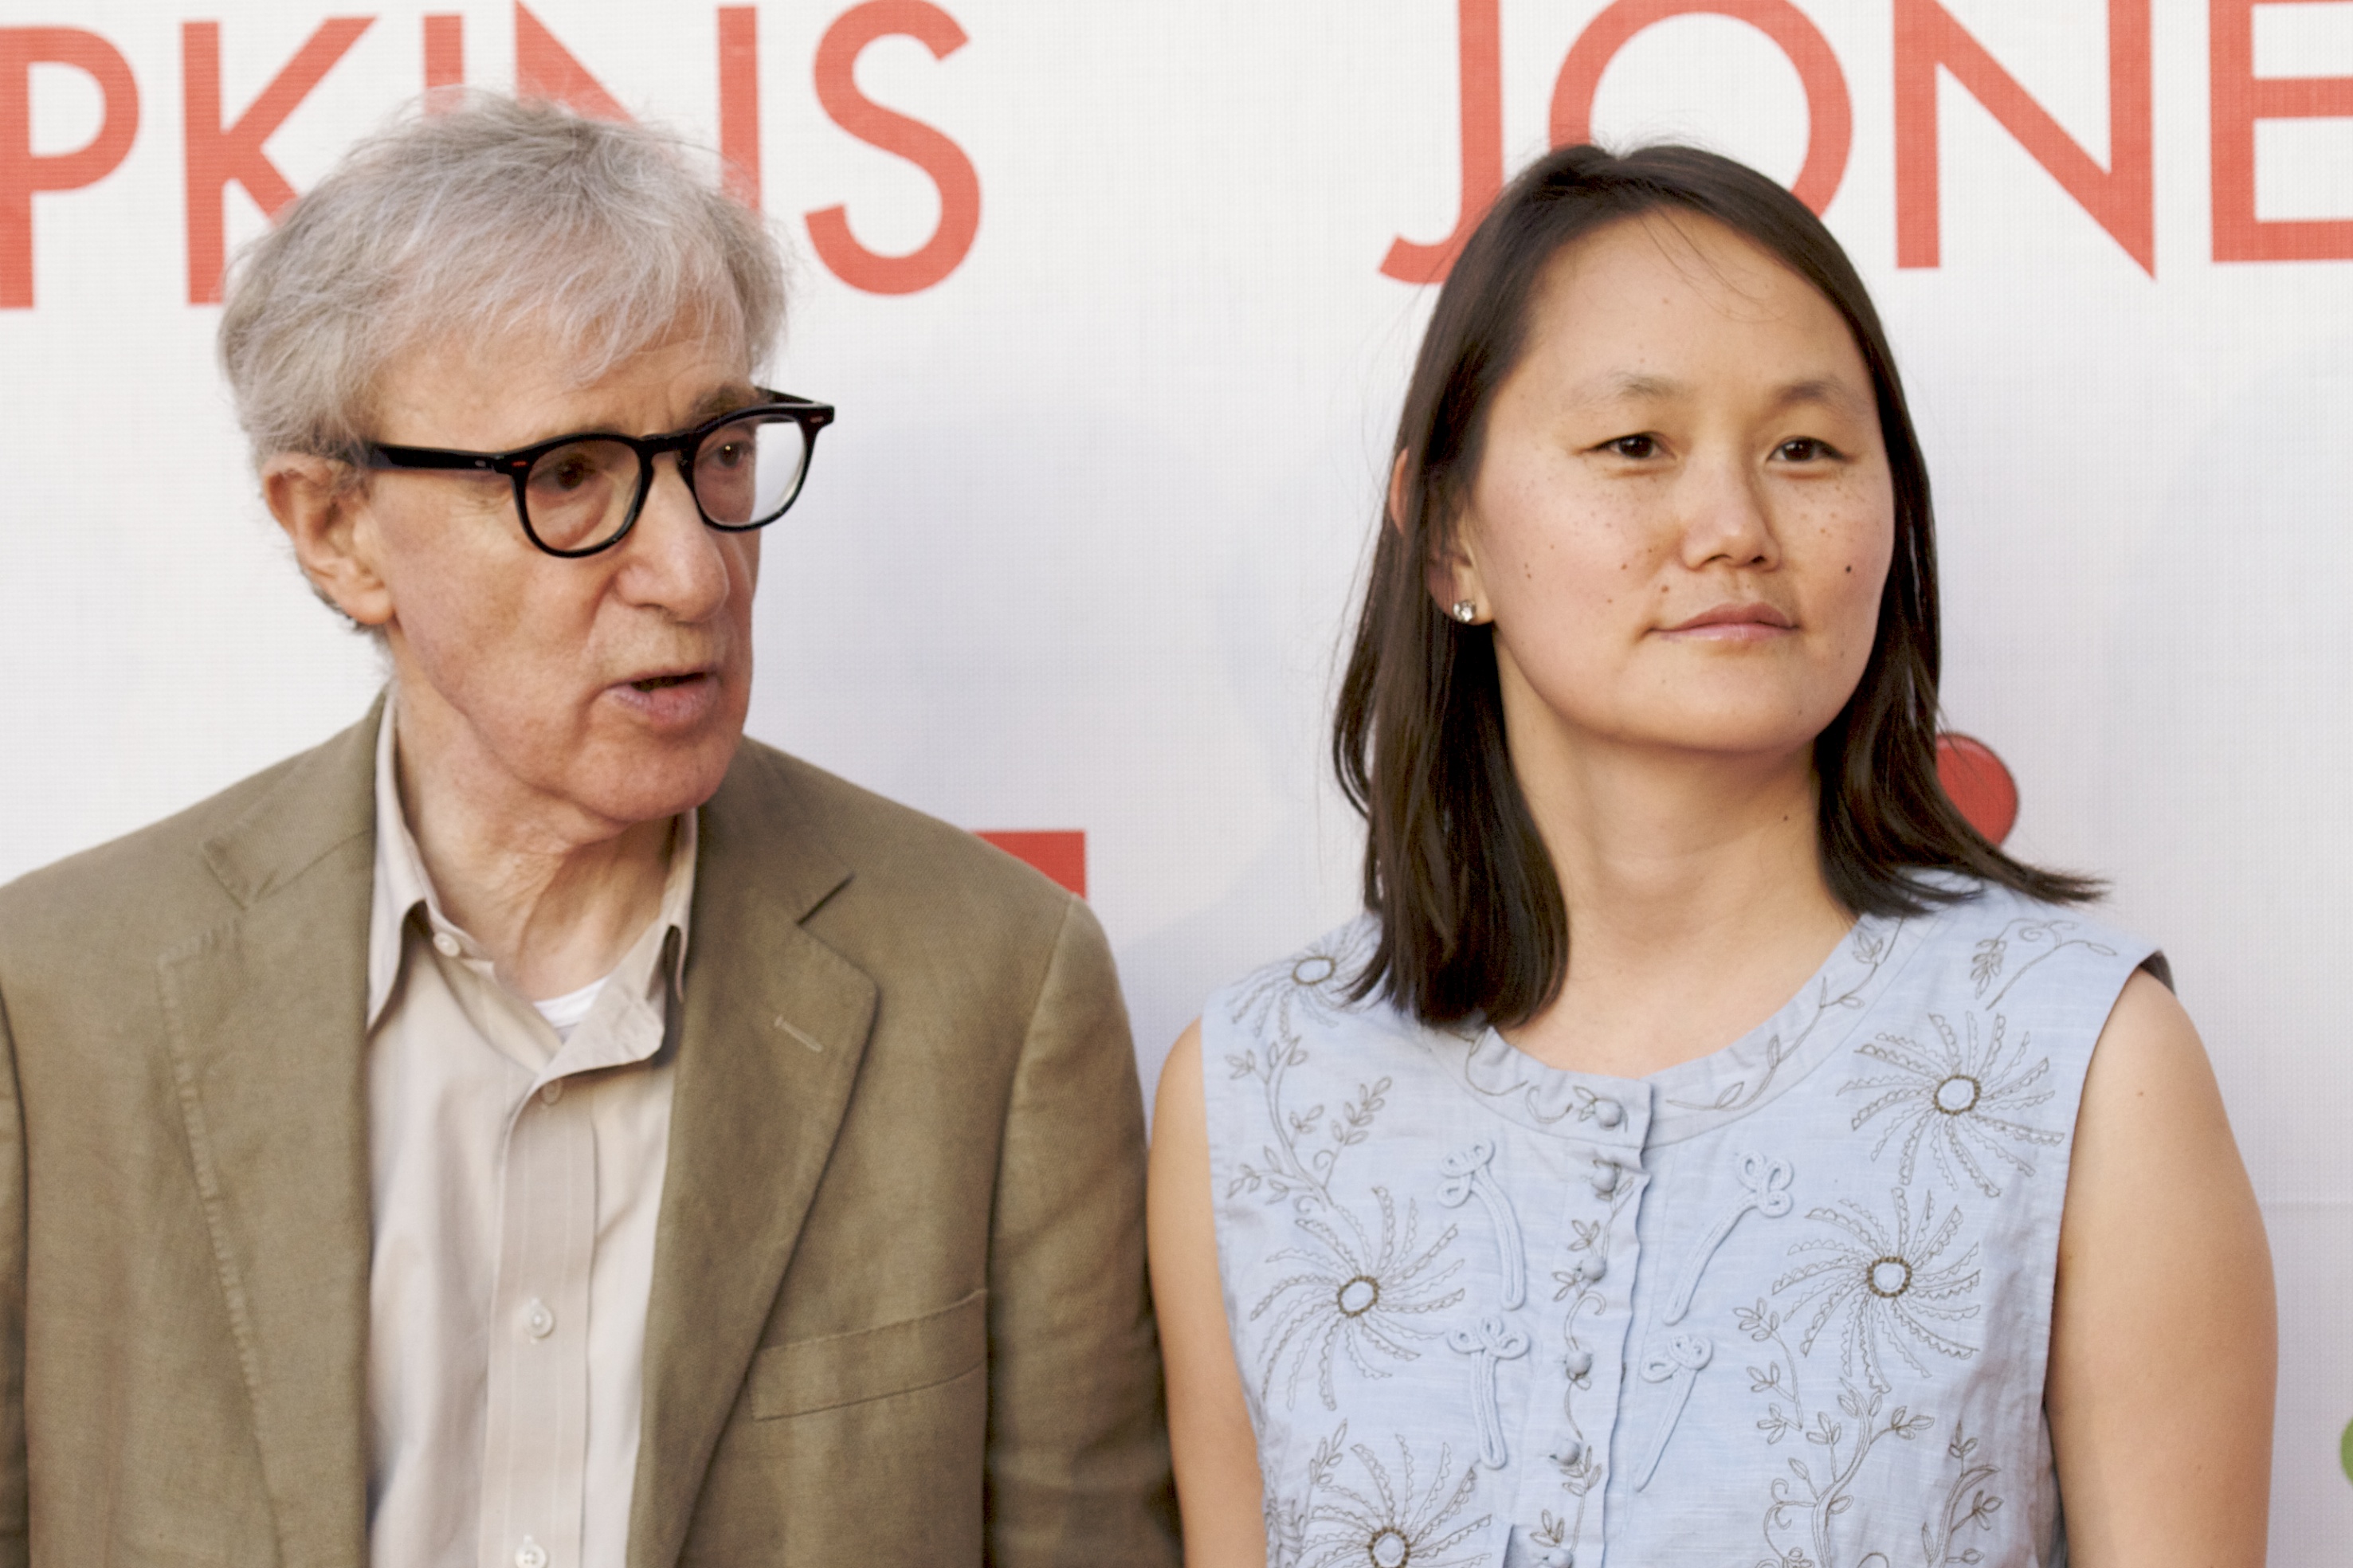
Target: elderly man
[[539, 1127]]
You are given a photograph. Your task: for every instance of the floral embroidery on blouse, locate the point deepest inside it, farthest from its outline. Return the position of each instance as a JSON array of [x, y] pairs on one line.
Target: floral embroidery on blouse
[[1381, 1521], [1350, 1294], [1299, 1163], [1820, 1488], [1884, 1285], [1961, 1100], [2051, 936]]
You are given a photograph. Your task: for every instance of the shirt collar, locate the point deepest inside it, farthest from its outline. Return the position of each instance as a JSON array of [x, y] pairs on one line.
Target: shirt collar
[[402, 884]]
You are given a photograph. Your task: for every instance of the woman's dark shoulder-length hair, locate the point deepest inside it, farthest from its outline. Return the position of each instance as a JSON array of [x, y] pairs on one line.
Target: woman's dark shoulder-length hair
[[1471, 921]]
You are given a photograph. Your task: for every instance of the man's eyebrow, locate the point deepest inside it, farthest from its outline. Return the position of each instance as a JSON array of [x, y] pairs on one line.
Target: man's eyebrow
[[725, 400]]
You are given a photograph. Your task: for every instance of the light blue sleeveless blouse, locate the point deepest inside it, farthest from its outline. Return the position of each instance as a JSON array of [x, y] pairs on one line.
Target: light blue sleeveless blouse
[[1787, 1305]]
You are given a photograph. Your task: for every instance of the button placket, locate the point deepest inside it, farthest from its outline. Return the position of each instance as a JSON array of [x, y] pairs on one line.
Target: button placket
[[1579, 1362], [535, 1429]]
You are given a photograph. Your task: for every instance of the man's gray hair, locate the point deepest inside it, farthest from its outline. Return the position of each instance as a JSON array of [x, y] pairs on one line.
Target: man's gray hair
[[482, 217]]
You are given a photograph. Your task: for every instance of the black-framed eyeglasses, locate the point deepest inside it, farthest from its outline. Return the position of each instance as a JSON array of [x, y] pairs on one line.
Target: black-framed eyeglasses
[[579, 494]]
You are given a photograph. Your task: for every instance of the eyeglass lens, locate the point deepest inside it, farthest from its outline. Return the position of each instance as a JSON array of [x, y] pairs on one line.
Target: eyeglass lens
[[743, 473]]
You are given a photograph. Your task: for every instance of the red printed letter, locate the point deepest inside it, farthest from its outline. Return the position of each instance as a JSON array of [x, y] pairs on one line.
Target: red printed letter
[[22, 172], [546, 68], [739, 102], [2240, 98], [1830, 112], [445, 53], [943, 159], [2120, 198], [217, 154], [1478, 70]]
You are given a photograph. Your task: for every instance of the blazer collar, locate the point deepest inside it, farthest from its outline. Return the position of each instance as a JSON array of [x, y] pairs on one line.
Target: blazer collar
[[265, 1035], [775, 1026]]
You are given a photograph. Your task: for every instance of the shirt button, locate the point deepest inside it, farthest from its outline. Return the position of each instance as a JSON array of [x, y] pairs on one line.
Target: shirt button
[[1590, 1267], [539, 1322], [531, 1554], [552, 1092], [1609, 1112], [447, 946]]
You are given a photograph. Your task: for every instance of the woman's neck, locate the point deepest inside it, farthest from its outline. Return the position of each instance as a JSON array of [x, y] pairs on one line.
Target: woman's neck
[[1696, 904]]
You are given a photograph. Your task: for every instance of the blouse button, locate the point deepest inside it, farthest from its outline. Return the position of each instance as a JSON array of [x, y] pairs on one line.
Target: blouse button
[[1560, 1557], [1571, 1454], [1609, 1112], [538, 1322], [1591, 1267], [1576, 1363], [445, 944], [1605, 1177]]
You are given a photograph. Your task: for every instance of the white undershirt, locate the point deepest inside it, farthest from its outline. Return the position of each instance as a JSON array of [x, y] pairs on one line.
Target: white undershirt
[[563, 1013]]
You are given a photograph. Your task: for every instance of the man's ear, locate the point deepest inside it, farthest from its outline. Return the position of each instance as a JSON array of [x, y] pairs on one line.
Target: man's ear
[[326, 519]]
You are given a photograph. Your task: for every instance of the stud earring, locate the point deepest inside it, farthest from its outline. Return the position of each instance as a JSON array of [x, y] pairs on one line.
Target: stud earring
[[1466, 610]]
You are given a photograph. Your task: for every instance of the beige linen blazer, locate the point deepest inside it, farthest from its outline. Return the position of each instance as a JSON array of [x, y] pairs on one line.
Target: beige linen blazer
[[899, 1312]]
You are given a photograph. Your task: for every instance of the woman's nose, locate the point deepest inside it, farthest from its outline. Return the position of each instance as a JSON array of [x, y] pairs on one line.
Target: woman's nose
[[1725, 517]]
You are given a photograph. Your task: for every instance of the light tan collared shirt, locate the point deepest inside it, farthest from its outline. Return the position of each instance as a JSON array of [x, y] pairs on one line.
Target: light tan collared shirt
[[517, 1173]]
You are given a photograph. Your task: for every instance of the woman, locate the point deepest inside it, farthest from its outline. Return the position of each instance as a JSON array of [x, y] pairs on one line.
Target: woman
[[1699, 1152]]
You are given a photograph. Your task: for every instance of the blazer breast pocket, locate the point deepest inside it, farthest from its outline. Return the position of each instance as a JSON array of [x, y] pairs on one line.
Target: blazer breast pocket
[[802, 1376]]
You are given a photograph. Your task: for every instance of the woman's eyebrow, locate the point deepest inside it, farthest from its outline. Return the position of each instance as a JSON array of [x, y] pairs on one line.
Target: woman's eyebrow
[[1638, 387], [1627, 386], [1828, 390]]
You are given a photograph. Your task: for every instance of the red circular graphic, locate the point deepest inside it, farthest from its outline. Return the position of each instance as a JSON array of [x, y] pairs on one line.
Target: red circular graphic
[[1977, 782]]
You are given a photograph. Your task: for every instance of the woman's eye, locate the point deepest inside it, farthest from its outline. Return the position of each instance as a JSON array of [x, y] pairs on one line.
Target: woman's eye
[[1804, 450], [1632, 447]]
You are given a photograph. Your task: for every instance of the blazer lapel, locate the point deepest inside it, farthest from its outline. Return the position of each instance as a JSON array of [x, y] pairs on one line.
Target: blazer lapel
[[266, 1035], [776, 1023]]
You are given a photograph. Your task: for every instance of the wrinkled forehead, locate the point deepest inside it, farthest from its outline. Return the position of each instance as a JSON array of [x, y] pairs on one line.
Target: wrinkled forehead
[[532, 384], [587, 307], [541, 322]]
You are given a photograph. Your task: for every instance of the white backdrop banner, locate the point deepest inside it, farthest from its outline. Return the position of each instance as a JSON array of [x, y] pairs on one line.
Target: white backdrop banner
[[1116, 301]]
